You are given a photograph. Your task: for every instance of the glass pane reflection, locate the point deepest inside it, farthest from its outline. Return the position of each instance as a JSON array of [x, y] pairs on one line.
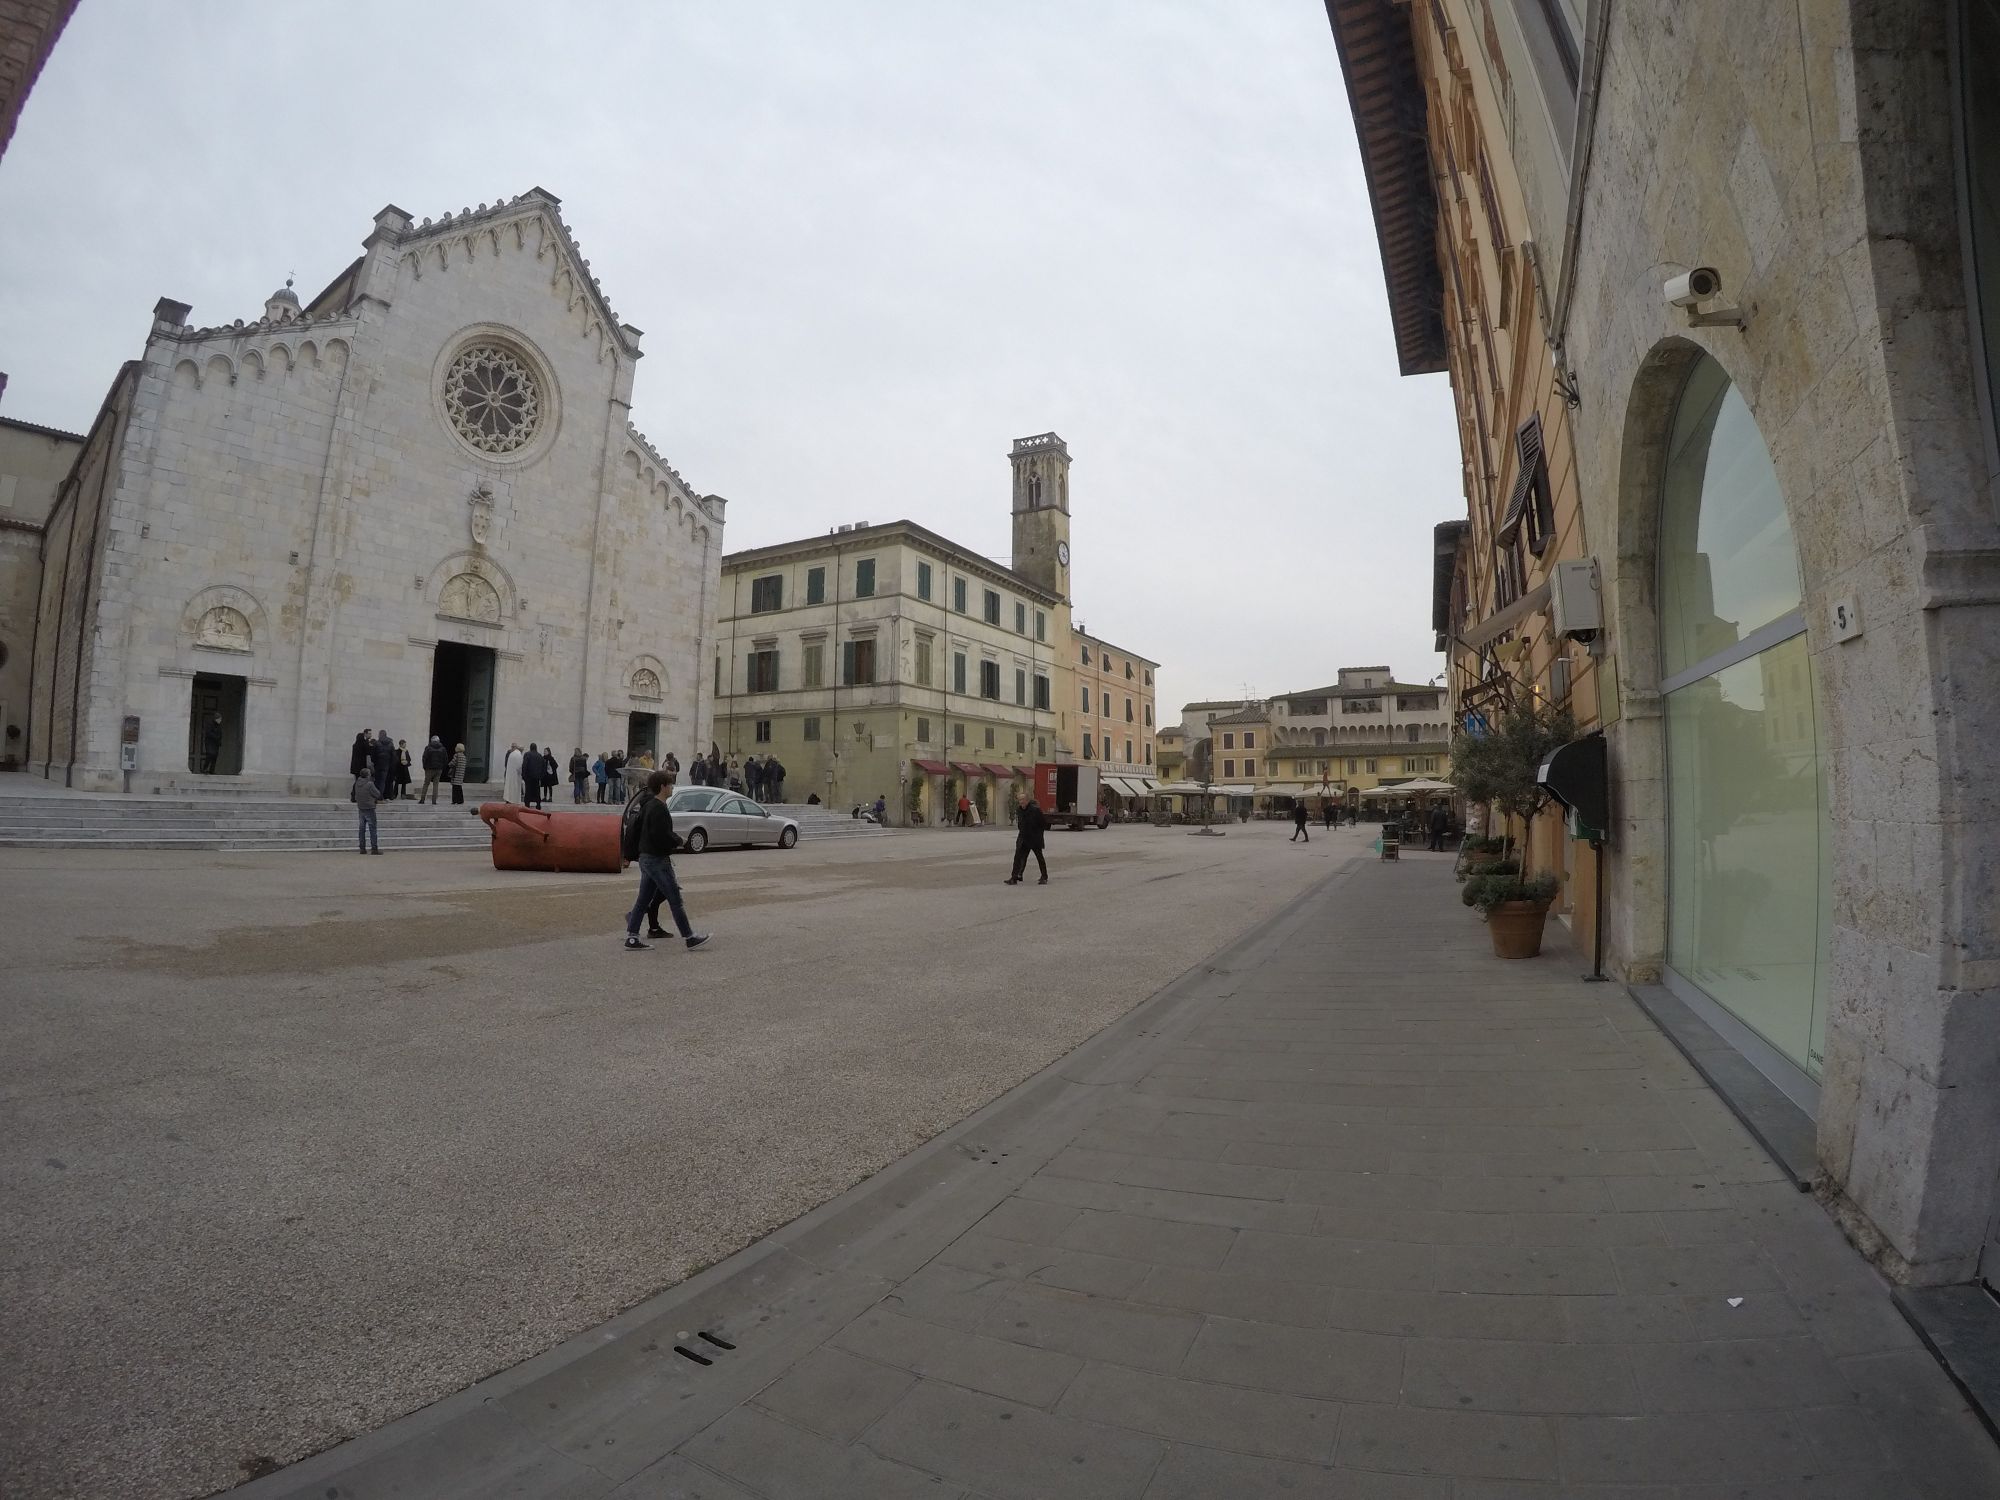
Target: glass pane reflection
[[1727, 561], [1746, 900]]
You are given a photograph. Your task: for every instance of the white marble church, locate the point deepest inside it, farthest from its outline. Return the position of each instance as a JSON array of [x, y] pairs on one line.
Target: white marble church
[[415, 503]]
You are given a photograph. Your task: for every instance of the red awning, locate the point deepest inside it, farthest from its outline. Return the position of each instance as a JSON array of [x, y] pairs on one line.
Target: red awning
[[932, 767], [971, 768], [993, 770]]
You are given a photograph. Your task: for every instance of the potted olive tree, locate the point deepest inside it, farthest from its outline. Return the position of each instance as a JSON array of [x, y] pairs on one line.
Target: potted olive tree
[[1499, 768]]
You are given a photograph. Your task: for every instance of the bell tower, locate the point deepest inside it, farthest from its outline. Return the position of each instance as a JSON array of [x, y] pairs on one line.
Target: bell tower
[[1041, 511]]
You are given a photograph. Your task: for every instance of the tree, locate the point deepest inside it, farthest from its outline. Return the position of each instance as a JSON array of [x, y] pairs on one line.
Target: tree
[[1498, 767]]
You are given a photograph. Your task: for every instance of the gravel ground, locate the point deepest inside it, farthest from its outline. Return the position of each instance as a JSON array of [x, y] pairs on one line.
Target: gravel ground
[[294, 1144]]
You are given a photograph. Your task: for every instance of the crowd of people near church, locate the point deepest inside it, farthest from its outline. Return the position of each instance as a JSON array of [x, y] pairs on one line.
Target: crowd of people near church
[[390, 768]]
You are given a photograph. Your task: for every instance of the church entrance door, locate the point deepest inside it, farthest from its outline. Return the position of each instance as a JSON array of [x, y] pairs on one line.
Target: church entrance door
[[215, 724], [642, 737], [462, 703]]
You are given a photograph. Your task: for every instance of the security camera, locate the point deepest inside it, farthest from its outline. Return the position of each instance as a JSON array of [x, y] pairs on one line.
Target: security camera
[[1692, 288]]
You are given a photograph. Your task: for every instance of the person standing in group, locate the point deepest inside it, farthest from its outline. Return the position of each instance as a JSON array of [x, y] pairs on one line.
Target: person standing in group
[[672, 766], [597, 774], [1299, 830], [1030, 833], [532, 775], [211, 744], [455, 769], [653, 841], [358, 758], [964, 810], [382, 763], [434, 759], [615, 762], [403, 768], [579, 775], [753, 773], [367, 836], [551, 772], [1440, 824], [774, 778], [698, 770], [513, 783]]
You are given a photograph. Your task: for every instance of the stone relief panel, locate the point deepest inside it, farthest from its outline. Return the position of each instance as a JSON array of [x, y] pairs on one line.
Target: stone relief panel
[[223, 629], [646, 683], [467, 596]]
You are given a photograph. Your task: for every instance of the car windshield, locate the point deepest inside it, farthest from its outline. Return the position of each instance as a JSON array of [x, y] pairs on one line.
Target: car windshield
[[692, 799]]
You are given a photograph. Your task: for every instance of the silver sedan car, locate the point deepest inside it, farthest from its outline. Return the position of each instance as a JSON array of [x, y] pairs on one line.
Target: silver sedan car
[[705, 815]]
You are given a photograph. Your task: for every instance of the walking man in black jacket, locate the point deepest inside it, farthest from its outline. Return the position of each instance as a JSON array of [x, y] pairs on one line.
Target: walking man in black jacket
[[656, 870], [1030, 824]]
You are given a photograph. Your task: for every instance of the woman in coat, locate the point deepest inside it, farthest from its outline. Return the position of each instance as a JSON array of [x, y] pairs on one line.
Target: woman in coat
[[551, 773], [402, 768], [382, 764], [358, 757], [455, 772], [603, 778]]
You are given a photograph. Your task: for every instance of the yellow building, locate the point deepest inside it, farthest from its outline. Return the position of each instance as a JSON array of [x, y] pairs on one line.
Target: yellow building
[[1469, 295], [890, 661]]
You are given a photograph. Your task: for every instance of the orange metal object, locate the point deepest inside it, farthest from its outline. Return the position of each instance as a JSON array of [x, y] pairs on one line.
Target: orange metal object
[[525, 839]]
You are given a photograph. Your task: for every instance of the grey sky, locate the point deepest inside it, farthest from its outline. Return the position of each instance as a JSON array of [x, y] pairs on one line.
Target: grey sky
[[870, 242]]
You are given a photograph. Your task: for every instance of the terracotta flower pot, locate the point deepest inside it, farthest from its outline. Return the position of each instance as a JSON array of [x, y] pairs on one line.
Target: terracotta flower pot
[[1516, 927]]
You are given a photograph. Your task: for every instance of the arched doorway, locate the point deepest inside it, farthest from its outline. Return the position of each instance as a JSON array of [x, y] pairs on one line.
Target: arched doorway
[[1748, 898]]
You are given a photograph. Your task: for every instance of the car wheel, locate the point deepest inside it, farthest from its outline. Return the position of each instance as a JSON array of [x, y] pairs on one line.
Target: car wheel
[[788, 838], [697, 840]]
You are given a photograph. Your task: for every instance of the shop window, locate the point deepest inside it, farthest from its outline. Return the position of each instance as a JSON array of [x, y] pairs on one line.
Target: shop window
[[1748, 882]]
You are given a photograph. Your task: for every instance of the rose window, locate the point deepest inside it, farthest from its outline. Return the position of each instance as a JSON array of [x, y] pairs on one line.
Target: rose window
[[492, 399]]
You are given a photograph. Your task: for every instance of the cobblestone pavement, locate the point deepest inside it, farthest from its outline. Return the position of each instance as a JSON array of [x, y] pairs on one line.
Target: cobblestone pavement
[[1355, 1210]]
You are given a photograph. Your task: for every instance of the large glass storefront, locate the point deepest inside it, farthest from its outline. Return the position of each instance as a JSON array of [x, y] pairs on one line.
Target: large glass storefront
[[1749, 894]]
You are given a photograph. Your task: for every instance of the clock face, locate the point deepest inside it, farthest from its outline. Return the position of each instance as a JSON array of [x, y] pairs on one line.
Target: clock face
[[1062, 553]]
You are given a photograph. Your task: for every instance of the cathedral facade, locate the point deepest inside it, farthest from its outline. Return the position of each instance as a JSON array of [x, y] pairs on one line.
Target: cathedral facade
[[415, 503]]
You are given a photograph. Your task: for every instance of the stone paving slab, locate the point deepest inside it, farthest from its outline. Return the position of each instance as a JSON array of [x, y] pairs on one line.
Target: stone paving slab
[[1324, 1218]]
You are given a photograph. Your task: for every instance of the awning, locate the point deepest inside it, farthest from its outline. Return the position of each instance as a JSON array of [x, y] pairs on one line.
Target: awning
[[1501, 621], [1125, 787], [969, 767], [1003, 772], [1234, 789], [931, 767]]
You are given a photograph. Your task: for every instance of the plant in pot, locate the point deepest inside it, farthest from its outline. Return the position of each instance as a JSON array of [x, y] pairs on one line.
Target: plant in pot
[[1498, 768], [1479, 854]]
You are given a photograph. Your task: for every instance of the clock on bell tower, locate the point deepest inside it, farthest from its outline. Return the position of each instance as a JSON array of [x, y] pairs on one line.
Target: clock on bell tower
[[1041, 511]]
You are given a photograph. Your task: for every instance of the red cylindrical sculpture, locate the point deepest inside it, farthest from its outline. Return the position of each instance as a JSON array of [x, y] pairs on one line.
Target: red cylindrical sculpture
[[527, 839]]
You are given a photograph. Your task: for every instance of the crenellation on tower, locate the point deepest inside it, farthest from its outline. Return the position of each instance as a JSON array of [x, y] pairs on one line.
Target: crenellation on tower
[[1041, 511]]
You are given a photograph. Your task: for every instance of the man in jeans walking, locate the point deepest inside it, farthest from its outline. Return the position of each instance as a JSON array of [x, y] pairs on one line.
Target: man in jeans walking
[[656, 870]]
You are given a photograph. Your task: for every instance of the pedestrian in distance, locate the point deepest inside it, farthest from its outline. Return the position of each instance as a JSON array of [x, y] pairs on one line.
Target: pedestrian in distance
[[753, 778], [1299, 822], [881, 808], [650, 835], [368, 838], [672, 766], [614, 763], [1030, 829], [403, 768], [579, 775], [382, 764], [1326, 813], [211, 744], [551, 772], [1440, 824], [597, 774], [358, 757], [434, 764], [455, 769], [513, 785], [964, 810], [774, 778]]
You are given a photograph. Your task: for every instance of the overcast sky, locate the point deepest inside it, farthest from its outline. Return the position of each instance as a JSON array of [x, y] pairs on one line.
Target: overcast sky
[[871, 242]]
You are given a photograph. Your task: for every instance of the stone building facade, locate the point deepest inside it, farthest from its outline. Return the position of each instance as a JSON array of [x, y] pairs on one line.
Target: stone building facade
[[415, 503], [1787, 482], [34, 461]]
